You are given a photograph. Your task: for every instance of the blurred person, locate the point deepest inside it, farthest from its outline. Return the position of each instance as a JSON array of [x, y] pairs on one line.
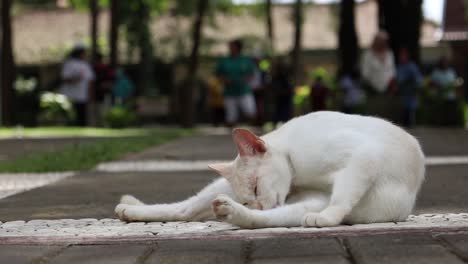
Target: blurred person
[[77, 77], [105, 78], [257, 83], [283, 92], [378, 75], [123, 87], [444, 78], [354, 96], [378, 66], [215, 100], [235, 71], [409, 80], [319, 94]]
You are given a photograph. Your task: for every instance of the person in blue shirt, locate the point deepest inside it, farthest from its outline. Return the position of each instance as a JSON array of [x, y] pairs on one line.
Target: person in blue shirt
[[235, 71], [123, 87], [444, 78], [409, 80]]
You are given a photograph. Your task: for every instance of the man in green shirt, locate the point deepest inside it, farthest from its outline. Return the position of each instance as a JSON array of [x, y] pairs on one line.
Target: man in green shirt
[[235, 71]]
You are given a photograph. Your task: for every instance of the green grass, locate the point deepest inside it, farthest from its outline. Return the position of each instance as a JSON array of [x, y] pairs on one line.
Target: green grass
[[16, 132], [86, 156]]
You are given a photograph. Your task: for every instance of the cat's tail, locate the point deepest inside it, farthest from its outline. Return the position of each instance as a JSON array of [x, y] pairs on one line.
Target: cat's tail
[[130, 200]]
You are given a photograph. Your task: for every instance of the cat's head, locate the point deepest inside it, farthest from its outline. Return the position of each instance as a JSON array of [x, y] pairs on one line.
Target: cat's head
[[260, 175]]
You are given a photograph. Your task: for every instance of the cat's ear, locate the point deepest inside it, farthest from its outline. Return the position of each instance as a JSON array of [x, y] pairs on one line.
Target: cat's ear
[[223, 169], [248, 144]]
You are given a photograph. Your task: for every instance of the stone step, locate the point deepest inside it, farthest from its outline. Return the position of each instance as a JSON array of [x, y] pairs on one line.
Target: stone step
[[109, 231]]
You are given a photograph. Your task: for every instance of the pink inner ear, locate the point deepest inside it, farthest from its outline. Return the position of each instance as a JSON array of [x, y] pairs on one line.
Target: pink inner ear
[[248, 144]]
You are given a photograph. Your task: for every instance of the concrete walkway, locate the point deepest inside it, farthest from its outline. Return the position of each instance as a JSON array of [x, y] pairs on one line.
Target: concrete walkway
[[72, 220]]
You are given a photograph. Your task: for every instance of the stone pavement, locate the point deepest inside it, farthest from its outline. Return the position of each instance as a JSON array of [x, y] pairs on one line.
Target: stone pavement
[[72, 221]]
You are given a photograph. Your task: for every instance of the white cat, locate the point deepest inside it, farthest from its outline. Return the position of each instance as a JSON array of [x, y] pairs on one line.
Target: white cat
[[321, 169]]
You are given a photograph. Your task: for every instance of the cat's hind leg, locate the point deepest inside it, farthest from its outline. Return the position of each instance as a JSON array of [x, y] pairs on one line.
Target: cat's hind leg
[[197, 207], [350, 185]]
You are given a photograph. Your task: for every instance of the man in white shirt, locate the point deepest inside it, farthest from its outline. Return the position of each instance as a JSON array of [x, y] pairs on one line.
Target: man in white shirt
[[378, 65], [77, 76], [378, 74]]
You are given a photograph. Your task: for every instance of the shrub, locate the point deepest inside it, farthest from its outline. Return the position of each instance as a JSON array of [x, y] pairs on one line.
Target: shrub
[[55, 110], [25, 86], [120, 116]]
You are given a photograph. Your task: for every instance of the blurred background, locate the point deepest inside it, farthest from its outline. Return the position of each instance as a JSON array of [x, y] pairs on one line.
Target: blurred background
[[143, 62]]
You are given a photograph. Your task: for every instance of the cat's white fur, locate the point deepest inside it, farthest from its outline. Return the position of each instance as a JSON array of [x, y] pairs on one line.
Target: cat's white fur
[[321, 169]]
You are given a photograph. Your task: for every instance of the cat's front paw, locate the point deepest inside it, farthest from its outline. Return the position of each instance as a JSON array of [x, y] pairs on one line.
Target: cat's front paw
[[223, 208], [226, 209], [318, 220], [123, 212]]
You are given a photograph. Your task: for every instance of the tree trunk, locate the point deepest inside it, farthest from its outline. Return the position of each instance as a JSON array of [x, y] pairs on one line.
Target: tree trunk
[[146, 51], [270, 26], [347, 38], [114, 32], [94, 17], [188, 102], [402, 20], [7, 64], [296, 52], [413, 33]]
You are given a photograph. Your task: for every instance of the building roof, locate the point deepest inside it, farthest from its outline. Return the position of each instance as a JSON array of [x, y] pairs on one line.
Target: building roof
[[45, 35], [455, 25]]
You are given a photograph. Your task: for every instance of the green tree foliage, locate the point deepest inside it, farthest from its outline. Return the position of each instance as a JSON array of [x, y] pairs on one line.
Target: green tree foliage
[[466, 10], [82, 5], [135, 18], [37, 3]]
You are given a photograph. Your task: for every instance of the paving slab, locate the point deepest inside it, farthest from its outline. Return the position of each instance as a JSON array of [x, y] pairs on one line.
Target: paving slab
[[458, 245], [13, 183], [442, 141], [200, 147], [19, 254], [298, 250], [196, 251], [102, 254], [444, 190], [399, 249], [96, 194]]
